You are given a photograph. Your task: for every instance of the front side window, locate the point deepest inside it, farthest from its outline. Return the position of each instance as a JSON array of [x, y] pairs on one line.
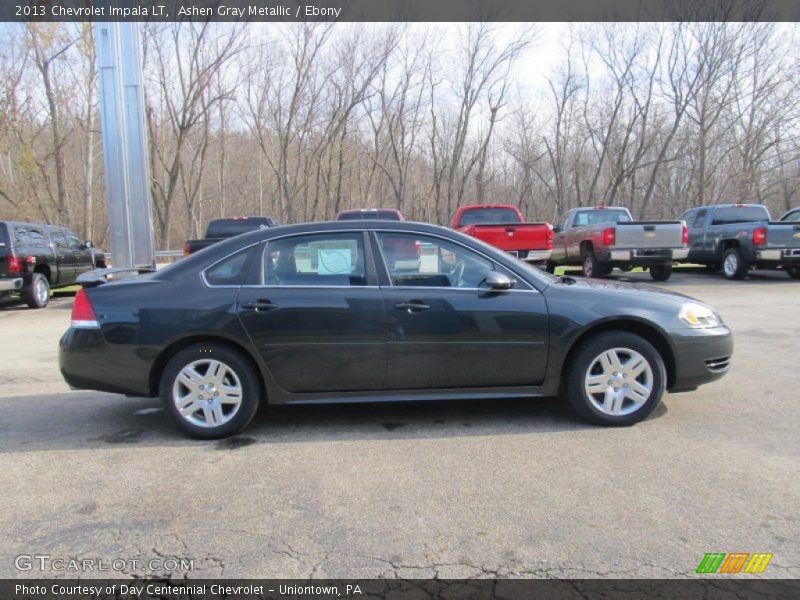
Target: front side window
[[323, 259], [423, 261]]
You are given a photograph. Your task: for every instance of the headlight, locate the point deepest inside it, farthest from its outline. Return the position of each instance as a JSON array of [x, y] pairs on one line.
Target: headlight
[[698, 316]]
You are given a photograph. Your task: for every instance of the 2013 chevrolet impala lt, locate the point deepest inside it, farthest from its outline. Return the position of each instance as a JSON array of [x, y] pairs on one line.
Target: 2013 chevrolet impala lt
[[339, 312]]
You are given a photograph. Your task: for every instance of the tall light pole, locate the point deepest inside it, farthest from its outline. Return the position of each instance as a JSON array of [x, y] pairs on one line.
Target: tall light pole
[[125, 149]]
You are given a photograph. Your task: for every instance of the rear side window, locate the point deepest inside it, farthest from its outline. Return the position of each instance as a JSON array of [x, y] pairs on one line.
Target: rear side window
[[740, 214], [700, 220], [25, 235], [335, 259], [234, 270]]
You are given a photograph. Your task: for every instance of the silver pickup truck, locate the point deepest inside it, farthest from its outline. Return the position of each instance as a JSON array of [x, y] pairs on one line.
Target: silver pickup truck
[[600, 238]]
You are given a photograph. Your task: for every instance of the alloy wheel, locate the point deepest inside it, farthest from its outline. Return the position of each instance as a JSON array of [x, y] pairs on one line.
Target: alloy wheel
[[207, 393], [42, 292], [619, 381], [731, 265]]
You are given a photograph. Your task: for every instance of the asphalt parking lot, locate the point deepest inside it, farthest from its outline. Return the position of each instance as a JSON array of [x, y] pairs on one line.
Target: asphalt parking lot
[[510, 488]]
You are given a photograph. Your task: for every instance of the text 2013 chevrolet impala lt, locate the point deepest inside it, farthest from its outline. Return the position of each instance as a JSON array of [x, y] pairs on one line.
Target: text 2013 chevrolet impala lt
[[326, 312]]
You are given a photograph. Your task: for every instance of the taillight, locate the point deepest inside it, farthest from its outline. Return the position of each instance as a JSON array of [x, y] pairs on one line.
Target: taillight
[[609, 236], [14, 265], [760, 236], [186, 251], [548, 238], [685, 235], [83, 314]]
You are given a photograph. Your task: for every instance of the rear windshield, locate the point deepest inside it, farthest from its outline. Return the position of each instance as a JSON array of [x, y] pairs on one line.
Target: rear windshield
[[368, 215], [591, 217], [220, 228], [489, 216], [740, 214]]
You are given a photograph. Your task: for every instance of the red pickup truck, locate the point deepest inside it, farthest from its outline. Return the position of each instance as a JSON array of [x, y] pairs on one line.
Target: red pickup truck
[[503, 226]]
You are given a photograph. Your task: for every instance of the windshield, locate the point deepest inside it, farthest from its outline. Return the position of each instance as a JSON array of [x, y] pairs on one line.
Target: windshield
[[489, 216], [740, 214], [601, 215]]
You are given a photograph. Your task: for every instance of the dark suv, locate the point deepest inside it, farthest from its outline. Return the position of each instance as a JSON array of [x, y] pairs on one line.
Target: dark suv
[[35, 258]]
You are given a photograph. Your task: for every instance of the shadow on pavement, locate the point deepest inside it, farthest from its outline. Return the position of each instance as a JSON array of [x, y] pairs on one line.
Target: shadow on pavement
[[90, 420]]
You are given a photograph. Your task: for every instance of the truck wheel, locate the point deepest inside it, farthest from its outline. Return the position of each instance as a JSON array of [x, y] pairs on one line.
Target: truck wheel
[[37, 293], [733, 266], [210, 391], [794, 272], [660, 272], [550, 267], [592, 268], [617, 378]]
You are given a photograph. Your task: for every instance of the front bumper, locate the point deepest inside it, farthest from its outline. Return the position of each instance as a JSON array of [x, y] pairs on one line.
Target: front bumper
[[646, 256], [10, 285], [701, 356]]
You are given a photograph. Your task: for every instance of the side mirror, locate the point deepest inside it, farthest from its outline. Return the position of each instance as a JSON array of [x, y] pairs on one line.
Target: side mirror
[[89, 244], [498, 281]]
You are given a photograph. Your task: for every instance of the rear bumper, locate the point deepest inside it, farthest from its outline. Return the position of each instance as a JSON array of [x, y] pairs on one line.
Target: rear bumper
[[88, 362], [646, 256], [789, 256], [701, 356], [10, 284], [537, 255]]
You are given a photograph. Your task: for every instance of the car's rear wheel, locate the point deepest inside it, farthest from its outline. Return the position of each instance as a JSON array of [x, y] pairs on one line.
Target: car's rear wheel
[[616, 378], [733, 266], [210, 391], [37, 293], [794, 272], [660, 272], [591, 267]]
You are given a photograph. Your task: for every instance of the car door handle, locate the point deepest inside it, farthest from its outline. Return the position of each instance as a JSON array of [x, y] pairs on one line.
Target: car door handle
[[412, 306], [259, 305]]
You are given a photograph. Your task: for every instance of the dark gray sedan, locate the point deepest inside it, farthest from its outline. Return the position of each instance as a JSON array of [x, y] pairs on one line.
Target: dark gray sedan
[[332, 312]]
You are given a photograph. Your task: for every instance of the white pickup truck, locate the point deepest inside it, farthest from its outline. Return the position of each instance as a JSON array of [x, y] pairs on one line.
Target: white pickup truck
[[603, 237]]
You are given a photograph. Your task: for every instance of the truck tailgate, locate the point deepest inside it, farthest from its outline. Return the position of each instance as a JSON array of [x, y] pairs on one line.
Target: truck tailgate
[[513, 236], [783, 235], [649, 234]]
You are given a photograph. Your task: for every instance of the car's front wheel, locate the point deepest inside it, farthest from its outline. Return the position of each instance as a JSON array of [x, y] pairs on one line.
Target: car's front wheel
[[616, 378], [210, 391]]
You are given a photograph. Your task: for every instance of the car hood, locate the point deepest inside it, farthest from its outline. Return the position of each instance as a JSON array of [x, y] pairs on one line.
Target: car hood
[[627, 290]]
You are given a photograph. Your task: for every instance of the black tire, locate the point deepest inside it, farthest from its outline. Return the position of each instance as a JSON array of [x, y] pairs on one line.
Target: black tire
[[37, 293], [233, 361], [793, 272], [591, 267], [587, 355], [733, 265], [550, 267], [100, 264], [660, 272]]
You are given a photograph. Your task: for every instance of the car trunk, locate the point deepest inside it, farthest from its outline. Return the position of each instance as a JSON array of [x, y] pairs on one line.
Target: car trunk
[[784, 235], [513, 236], [649, 234]]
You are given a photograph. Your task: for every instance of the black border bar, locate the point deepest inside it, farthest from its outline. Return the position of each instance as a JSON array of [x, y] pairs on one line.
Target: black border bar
[[399, 10]]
